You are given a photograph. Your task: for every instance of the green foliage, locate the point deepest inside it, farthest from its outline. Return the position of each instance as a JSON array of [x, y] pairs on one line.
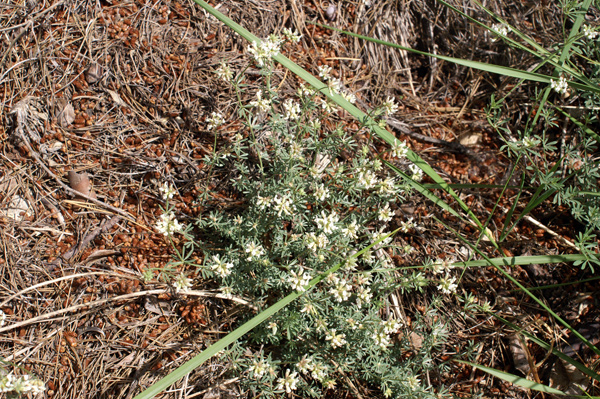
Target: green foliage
[[311, 199]]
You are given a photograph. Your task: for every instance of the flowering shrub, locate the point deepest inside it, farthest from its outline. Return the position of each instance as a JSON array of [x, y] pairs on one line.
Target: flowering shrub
[[313, 199]]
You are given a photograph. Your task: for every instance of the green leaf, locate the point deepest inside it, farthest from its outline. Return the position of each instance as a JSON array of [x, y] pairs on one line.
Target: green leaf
[[516, 380]]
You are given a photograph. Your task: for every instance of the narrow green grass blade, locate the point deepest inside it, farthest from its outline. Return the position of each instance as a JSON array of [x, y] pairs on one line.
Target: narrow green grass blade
[[584, 128], [525, 290], [505, 230], [482, 66], [513, 379], [521, 260], [579, 366]]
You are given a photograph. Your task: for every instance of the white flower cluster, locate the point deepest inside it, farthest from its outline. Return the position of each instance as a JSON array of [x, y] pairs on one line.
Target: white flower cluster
[[389, 106], [500, 30], [283, 204], [299, 280], [292, 110], [341, 289], [261, 103], [385, 214], [317, 369], [327, 223], [221, 267], [442, 265], [182, 283], [406, 226], [224, 72], [263, 52], [168, 225], [167, 191], [560, 85], [254, 251], [337, 340], [589, 32], [259, 368], [21, 384], [416, 172], [447, 285], [334, 85], [215, 120], [288, 382], [351, 231], [292, 36], [314, 242], [399, 149]]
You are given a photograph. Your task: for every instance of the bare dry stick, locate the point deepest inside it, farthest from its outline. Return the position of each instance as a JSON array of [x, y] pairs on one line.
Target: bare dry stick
[[95, 304]]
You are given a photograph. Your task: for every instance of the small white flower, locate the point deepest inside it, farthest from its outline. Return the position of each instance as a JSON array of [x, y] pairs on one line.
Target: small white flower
[[337, 340], [389, 106], [292, 110], [315, 125], [227, 291], [319, 371], [441, 265], [221, 267], [254, 251], [367, 179], [334, 85], [381, 339], [341, 290], [264, 51], [215, 120], [261, 103], [308, 308], [324, 71], [283, 205], [321, 192], [447, 285], [292, 36], [327, 223], [262, 202], [399, 149], [589, 33], [500, 30], [314, 242], [529, 142], [417, 173], [391, 326], [329, 384], [351, 231], [305, 364], [168, 225], [412, 382], [224, 72], [299, 280], [167, 191], [406, 226], [385, 214], [363, 296], [560, 85], [273, 326], [350, 97], [306, 91], [288, 382], [182, 283], [296, 151], [258, 368]]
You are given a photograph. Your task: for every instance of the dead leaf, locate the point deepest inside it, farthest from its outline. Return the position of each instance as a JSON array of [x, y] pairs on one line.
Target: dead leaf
[[519, 354], [80, 182], [93, 73], [66, 114], [567, 378], [116, 98]]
